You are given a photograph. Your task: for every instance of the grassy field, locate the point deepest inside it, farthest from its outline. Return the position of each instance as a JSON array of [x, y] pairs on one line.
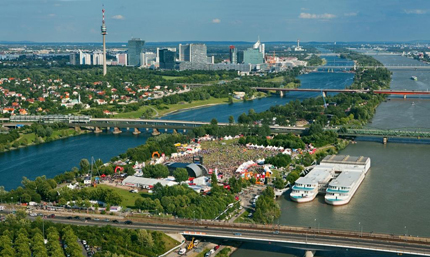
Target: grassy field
[[172, 77], [57, 134], [169, 242], [128, 198], [173, 107], [279, 79]]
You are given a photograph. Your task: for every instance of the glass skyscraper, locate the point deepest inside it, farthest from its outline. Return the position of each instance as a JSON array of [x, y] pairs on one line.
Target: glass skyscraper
[[135, 48]]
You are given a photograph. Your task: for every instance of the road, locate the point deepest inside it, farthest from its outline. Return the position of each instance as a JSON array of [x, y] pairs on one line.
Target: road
[[312, 239]]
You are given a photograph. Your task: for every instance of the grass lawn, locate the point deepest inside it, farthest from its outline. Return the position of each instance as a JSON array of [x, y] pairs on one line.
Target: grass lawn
[[171, 77], [279, 79], [169, 242], [134, 114], [128, 198]]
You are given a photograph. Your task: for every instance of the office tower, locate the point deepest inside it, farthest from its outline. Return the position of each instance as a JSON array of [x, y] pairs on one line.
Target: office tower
[[135, 48], [104, 32], [72, 58], [194, 53], [184, 53], [233, 54], [166, 58]]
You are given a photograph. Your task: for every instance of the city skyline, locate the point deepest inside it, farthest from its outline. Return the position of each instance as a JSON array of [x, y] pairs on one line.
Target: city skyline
[[220, 20]]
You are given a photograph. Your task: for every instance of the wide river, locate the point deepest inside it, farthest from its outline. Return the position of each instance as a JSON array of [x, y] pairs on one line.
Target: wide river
[[392, 199]]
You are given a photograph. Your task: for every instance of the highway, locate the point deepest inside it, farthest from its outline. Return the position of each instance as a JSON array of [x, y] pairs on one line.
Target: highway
[[303, 239]]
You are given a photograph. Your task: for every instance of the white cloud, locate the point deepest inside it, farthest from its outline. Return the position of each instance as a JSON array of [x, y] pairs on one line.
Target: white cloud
[[304, 15], [216, 20], [52, 15], [416, 11], [118, 17], [349, 14]]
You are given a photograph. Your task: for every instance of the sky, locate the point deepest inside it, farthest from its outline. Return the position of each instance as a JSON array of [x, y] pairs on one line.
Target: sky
[[215, 20]]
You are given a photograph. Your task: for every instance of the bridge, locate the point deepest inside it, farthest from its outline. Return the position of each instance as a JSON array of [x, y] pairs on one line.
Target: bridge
[[305, 238], [404, 93], [390, 67], [154, 126]]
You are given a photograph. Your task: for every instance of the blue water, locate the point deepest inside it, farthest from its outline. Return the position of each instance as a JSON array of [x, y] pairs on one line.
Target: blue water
[[58, 156]]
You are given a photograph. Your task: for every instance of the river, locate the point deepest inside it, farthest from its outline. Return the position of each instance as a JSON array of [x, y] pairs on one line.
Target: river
[[393, 198]]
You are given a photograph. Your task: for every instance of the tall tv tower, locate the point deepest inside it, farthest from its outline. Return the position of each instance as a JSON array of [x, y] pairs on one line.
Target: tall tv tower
[[104, 32]]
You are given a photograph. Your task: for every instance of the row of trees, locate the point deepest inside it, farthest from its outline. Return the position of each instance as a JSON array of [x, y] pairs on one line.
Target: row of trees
[[21, 238], [184, 202]]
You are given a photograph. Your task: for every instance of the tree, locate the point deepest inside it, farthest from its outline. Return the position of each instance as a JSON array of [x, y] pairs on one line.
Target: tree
[[214, 121], [231, 119], [279, 183], [180, 174], [85, 165], [230, 99]]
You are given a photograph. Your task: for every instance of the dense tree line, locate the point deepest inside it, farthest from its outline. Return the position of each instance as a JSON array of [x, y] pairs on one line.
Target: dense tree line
[[184, 202]]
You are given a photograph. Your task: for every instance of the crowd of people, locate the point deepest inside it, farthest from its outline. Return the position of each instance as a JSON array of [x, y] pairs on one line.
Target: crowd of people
[[225, 157]]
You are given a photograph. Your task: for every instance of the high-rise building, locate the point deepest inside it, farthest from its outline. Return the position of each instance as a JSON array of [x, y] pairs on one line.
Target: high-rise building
[[254, 55], [98, 58], [135, 48], [233, 54], [167, 57], [184, 53], [195, 53], [72, 58], [121, 59], [84, 58], [147, 58]]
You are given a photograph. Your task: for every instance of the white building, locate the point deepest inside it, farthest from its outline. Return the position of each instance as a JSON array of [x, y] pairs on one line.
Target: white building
[[134, 181]]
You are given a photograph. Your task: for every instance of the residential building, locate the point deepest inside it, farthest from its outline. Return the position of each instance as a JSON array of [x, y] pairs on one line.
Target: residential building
[[233, 54]]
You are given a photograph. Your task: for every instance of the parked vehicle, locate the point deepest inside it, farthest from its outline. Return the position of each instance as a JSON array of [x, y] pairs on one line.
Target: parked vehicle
[[128, 222], [182, 251]]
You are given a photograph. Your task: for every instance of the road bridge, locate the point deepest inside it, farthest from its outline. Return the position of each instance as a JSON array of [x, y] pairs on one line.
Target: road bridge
[[390, 67], [305, 238], [404, 93], [155, 125]]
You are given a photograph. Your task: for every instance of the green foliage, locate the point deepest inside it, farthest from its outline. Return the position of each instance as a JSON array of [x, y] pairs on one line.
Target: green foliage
[[180, 174], [155, 171], [184, 202], [266, 209], [279, 160]]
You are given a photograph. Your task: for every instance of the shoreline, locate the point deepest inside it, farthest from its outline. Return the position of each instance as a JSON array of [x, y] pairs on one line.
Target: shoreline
[[83, 132]]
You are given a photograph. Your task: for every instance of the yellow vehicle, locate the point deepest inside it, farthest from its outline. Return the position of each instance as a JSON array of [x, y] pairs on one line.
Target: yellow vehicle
[[191, 245]]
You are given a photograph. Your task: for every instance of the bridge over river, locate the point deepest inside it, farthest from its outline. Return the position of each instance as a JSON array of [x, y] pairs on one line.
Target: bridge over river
[[310, 239], [154, 126]]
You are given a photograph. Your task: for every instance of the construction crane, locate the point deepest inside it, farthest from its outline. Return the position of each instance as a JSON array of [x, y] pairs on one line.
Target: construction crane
[[191, 245]]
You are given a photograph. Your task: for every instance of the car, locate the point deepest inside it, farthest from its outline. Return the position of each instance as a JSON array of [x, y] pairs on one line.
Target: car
[[84, 242], [51, 216], [217, 247], [33, 214], [276, 232], [87, 218], [107, 220], [77, 218], [182, 251], [115, 221], [237, 234], [196, 242], [208, 254], [69, 218], [96, 219], [128, 222]]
